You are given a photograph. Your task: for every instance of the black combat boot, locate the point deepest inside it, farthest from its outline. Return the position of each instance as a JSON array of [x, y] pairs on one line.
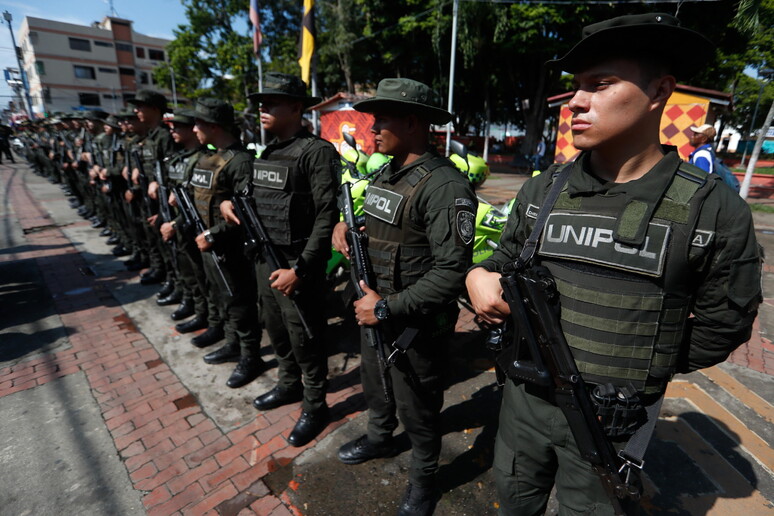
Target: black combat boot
[[184, 310], [208, 338], [246, 370], [197, 323], [229, 352], [419, 501], [309, 426]]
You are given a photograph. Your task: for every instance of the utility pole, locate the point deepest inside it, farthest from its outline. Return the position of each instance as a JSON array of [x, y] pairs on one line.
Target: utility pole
[[455, 15], [755, 153], [25, 85]]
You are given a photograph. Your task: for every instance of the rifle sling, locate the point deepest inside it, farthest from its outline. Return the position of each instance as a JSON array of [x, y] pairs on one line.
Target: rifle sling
[[548, 203], [634, 451]]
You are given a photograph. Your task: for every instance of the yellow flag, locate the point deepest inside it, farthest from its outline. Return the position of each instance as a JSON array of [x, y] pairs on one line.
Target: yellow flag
[[307, 40]]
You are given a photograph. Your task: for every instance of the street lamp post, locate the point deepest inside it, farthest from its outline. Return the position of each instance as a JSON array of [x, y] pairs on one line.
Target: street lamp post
[[9, 18]]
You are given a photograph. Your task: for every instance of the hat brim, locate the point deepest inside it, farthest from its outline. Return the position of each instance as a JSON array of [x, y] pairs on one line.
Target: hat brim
[[135, 102], [434, 115], [306, 101], [211, 120], [661, 41]]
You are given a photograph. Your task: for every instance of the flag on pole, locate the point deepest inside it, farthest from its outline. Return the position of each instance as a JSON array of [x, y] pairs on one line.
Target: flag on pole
[[307, 40], [256, 21]]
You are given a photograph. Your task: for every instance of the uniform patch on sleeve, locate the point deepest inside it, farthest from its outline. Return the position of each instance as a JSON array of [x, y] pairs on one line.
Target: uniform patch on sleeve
[[466, 219], [702, 238], [532, 211]]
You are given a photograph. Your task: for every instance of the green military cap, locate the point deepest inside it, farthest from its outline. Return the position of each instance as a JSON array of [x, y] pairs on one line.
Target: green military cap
[[113, 122], [183, 116], [150, 98], [96, 115], [285, 85], [214, 111], [126, 114], [405, 96], [655, 34]]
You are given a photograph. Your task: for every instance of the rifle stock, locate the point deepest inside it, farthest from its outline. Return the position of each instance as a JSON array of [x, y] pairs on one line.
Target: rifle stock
[[362, 270], [194, 225], [257, 239], [533, 299]]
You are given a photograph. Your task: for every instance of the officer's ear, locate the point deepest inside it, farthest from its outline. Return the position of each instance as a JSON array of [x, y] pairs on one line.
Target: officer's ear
[[660, 89]]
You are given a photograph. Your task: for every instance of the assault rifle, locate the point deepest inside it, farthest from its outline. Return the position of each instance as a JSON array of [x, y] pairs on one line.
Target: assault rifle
[[143, 180], [362, 270], [533, 299], [164, 209], [194, 225], [257, 239]]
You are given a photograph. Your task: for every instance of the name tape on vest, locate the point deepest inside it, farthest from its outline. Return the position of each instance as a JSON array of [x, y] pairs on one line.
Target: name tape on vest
[[382, 204], [177, 171], [201, 178], [532, 211], [589, 238], [270, 176]]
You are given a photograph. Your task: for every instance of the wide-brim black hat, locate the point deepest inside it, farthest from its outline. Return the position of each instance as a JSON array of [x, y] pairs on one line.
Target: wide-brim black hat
[[405, 96], [655, 34], [150, 98], [284, 85]]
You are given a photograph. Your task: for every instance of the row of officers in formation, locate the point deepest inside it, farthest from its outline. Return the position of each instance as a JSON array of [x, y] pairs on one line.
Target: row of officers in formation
[[652, 264]]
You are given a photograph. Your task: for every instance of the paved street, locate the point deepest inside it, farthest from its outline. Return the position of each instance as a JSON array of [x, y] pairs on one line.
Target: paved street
[[107, 410]]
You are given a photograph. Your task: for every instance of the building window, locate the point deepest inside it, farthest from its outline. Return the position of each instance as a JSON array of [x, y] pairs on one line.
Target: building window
[[40, 67], [155, 55], [89, 99], [143, 77], [126, 71], [108, 70], [140, 52], [47, 95], [80, 44], [84, 72], [124, 46], [33, 35], [98, 43], [109, 96], [128, 97]]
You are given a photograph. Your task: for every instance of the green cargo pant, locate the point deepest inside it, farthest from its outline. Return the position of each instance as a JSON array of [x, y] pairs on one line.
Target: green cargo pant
[[534, 450], [297, 355]]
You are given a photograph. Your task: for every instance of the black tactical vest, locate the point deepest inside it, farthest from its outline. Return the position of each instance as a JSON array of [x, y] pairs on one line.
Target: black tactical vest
[[204, 180], [627, 275], [399, 250], [179, 165], [283, 195]]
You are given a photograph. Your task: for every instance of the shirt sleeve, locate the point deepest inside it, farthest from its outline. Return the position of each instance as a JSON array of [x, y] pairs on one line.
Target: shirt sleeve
[[727, 299], [703, 160], [436, 209], [237, 171], [321, 165]]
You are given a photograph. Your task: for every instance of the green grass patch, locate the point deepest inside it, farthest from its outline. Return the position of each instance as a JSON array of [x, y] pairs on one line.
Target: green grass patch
[[765, 208], [758, 170]]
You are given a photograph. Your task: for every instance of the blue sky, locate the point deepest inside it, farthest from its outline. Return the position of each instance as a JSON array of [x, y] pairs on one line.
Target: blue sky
[[151, 17]]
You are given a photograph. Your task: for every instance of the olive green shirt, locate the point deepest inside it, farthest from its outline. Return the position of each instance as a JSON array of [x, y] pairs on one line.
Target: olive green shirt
[[728, 289]]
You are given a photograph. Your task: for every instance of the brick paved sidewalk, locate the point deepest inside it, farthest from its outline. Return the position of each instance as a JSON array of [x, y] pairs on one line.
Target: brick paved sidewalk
[[174, 452]]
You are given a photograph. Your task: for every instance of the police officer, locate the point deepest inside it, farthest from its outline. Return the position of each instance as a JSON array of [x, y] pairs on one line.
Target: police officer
[[213, 180], [636, 242], [420, 219], [294, 186]]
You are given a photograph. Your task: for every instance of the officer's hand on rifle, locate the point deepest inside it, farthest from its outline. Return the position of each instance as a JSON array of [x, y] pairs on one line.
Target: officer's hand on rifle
[[227, 211], [103, 174], [284, 280], [364, 307], [486, 295], [152, 220], [172, 200], [339, 239], [153, 190], [105, 189], [167, 230], [128, 196], [136, 176], [202, 244]]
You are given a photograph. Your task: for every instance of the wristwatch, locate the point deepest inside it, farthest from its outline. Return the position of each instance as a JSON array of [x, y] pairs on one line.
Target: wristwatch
[[208, 237], [381, 310]]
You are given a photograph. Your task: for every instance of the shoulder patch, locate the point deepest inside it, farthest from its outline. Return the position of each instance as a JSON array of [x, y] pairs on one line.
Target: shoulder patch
[[702, 238], [532, 211]]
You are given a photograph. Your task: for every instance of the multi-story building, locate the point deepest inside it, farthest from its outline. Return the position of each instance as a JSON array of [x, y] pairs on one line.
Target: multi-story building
[[74, 67]]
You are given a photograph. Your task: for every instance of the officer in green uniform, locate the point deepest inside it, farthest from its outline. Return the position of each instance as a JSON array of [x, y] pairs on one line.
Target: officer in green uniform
[[157, 144], [294, 186], [192, 276], [637, 241], [214, 180], [420, 220]]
